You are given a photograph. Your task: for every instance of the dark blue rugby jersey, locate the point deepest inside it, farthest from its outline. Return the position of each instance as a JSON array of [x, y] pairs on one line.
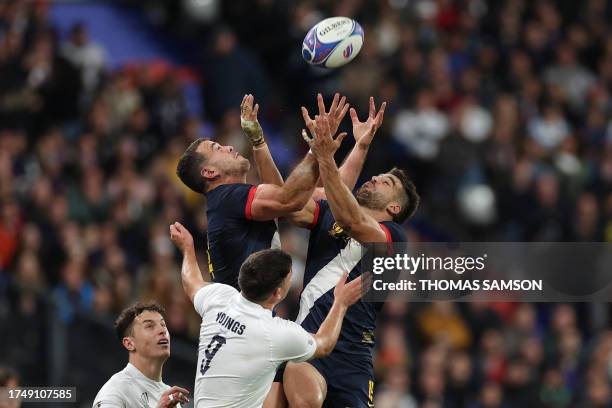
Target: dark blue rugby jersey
[[232, 234], [330, 253]]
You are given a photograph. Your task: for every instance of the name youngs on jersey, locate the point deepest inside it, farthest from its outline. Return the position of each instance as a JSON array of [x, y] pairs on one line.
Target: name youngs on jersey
[[230, 323]]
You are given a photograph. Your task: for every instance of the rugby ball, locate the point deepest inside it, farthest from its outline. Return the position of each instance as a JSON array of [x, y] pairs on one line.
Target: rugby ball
[[333, 42]]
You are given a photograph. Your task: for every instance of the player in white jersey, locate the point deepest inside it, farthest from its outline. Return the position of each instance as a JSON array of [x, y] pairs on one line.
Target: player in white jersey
[[241, 343], [142, 331]]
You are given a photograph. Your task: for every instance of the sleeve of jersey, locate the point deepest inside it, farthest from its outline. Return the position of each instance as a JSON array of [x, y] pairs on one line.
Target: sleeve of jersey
[[320, 209], [315, 218], [293, 343], [237, 199], [211, 294], [109, 401]]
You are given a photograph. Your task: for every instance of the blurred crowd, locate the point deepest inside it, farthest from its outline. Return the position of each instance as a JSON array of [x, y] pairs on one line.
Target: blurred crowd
[[499, 110]]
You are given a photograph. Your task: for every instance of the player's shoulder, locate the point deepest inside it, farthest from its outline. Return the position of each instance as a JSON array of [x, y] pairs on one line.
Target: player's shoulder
[[229, 191], [229, 188], [119, 379], [291, 342], [213, 295], [278, 321], [283, 325], [395, 232], [323, 205], [323, 213], [283, 330], [114, 390], [220, 289]]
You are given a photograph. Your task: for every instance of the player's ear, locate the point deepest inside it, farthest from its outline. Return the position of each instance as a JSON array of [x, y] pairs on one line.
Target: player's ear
[[128, 343], [394, 208], [209, 173], [278, 294]]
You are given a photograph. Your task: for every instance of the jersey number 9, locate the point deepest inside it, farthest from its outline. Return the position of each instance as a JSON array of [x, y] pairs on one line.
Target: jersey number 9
[[211, 350]]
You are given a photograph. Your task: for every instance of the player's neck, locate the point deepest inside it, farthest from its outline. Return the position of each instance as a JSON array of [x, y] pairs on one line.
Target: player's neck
[[149, 367], [270, 305], [378, 215], [227, 180]]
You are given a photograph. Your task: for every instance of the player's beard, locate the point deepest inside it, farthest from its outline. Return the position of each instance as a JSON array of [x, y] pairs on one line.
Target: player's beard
[[371, 199], [237, 168]]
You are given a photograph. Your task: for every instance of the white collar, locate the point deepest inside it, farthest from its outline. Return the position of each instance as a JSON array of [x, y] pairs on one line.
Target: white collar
[[135, 372], [255, 306]]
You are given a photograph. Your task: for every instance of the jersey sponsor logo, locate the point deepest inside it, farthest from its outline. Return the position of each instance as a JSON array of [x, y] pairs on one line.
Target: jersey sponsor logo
[[230, 323], [144, 397], [338, 232], [370, 393], [367, 337]]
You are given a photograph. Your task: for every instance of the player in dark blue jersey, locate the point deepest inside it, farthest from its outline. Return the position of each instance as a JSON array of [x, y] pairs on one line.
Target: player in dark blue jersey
[[340, 225], [240, 215]]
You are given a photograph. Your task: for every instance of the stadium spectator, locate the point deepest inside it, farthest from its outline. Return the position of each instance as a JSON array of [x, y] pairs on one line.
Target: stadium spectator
[[514, 95], [87, 56]]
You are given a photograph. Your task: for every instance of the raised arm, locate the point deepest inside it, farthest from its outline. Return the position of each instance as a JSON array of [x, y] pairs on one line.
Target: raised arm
[[191, 276], [352, 166], [345, 295], [266, 168], [305, 215], [347, 212], [305, 218], [272, 201]]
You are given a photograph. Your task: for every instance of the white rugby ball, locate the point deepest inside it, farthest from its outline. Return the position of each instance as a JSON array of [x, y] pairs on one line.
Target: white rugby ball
[[333, 42]]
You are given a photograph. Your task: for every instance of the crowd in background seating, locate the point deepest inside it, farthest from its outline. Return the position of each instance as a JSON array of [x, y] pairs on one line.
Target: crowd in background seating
[[499, 110]]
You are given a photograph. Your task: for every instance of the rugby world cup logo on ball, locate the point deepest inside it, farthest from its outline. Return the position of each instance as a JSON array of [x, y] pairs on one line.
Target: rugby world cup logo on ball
[[333, 42]]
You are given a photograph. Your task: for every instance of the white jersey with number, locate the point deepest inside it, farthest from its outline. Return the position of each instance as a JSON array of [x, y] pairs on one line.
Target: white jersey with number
[[129, 388], [241, 346]]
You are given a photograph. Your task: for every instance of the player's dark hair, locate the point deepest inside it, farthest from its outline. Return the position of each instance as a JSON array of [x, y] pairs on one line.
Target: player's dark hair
[[409, 199], [123, 324], [262, 272], [189, 168]]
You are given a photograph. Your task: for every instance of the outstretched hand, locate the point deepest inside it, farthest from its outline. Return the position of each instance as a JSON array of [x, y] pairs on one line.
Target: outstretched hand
[[364, 132], [172, 397], [181, 237], [248, 121], [337, 112], [348, 293], [321, 139]]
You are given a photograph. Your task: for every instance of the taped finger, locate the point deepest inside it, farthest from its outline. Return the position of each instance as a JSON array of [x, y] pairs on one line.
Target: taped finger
[[305, 136]]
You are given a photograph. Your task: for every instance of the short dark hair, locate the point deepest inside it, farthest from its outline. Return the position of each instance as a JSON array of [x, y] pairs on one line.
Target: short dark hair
[[189, 168], [262, 272], [410, 198], [123, 324]]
